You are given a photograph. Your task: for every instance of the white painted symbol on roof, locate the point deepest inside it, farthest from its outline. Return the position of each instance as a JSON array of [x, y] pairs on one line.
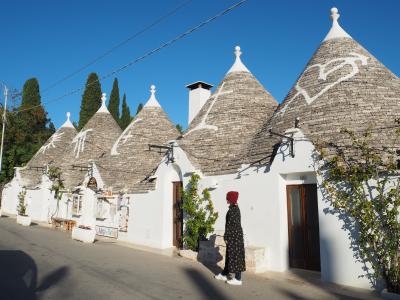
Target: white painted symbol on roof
[[323, 74], [56, 137], [125, 136], [203, 124], [79, 141]]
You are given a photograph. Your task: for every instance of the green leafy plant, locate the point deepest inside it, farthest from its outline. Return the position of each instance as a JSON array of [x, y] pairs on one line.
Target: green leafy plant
[[199, 214], [54, 174], [21, 203], [363, 185]]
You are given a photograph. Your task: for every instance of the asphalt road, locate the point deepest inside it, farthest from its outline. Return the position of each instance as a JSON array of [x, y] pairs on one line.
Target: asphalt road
[[41, 263]]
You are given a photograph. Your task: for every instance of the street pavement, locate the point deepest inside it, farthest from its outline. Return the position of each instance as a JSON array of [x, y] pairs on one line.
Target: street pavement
[[42, 263]]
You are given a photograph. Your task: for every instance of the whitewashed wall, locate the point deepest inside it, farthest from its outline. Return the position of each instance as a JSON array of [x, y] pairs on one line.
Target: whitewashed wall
[[150, 215], [262, 201], [9, 197]]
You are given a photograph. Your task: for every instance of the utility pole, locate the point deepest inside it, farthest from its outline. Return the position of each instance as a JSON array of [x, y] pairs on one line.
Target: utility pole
[[4, 126]]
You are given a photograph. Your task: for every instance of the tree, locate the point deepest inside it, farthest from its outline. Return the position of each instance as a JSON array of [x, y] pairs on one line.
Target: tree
[[139, 108], [364, 189], [91, 99], [26, 131], [199, 214], [179, 128], [125, 115], [31, 93], [113, 104]]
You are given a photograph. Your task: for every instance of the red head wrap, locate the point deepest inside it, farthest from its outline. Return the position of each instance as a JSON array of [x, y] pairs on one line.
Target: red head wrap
[[232, 197]]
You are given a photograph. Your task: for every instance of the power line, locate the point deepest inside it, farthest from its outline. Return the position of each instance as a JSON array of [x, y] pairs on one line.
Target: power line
[[129, 64], [112, 49]]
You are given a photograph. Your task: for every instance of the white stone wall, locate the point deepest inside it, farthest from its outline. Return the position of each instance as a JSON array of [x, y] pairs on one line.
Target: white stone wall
[[262, 201], [9, 197], [150, 215]]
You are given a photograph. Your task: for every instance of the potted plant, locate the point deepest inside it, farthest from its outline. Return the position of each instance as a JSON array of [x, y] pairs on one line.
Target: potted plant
[[22, 217], [83, 233]]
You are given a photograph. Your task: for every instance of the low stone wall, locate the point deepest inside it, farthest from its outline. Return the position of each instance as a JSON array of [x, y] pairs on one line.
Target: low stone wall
[[212, 253]]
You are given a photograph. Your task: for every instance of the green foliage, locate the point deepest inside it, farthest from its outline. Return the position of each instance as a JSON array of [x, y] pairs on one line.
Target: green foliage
[[113, 104], [199, 214], [21, 203], [179, 128], [31, 93], [139, 108], [54, 174], [91, 99], [25, 132], [364, 188], [126, 114]]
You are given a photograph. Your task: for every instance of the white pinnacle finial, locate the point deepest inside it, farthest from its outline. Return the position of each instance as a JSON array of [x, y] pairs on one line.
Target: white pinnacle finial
[[103, 107], [68, 123], [336, 30], [237, 51], [334, 14], [152, 102], [238, 66]]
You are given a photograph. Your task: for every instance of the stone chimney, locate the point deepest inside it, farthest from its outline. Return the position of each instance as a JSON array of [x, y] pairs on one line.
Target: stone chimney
[[199, 92]]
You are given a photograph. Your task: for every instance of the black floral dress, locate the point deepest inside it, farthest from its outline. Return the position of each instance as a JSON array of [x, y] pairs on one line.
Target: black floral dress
[[235, 255]]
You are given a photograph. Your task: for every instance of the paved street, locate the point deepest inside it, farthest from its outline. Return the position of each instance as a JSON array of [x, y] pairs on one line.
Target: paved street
[[41, 263]]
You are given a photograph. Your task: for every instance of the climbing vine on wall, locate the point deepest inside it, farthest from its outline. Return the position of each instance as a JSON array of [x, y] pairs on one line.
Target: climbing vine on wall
[[199, 214], [363, 185], [54, 174], [21, 209]]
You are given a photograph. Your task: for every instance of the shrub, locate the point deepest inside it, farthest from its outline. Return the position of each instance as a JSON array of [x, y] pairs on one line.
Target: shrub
[[199, 214], [21, 203], [364, 188]]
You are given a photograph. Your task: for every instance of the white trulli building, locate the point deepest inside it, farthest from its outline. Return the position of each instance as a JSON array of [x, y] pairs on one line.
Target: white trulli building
[[127, 169], [284, 211], [214, 146], [128, 184], [92, 142], [33, 179]]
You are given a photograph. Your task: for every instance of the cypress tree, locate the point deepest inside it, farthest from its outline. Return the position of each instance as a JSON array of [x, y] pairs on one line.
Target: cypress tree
[[91, 99], [179, 128], [31, 93], [125, 115], [139, 108], [113, 104], [26, 131]]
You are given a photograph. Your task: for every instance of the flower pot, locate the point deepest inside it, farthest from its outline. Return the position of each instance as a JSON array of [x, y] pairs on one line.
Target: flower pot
[[24, 220], [389, 296], [83, 235]]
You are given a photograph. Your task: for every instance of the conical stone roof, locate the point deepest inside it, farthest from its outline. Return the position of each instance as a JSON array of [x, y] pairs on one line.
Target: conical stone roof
[[342, 86], [93, 141], [48, 155], [217, 137], [130, 163]]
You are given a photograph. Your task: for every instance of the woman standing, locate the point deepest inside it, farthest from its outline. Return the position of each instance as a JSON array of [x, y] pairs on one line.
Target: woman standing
[[235, 255]]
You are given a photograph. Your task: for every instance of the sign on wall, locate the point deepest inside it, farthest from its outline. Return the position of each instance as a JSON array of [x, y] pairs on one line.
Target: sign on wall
[[107, 231]]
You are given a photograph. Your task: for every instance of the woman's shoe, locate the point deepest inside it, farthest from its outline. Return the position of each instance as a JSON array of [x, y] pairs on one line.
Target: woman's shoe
[[221, 277], [234, 281]]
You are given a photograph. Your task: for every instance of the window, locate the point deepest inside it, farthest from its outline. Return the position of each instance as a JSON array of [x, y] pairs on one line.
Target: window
[[76, 205]]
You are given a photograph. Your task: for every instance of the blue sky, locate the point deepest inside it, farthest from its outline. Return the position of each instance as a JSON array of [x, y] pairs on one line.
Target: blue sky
[[51, 39]]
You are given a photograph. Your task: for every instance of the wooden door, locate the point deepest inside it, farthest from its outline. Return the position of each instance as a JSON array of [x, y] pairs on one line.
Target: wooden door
[[303, 226], [177, 214]]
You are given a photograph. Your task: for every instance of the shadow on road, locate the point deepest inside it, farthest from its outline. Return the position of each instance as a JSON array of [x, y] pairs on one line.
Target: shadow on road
[[204, 285], [19, 276]]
